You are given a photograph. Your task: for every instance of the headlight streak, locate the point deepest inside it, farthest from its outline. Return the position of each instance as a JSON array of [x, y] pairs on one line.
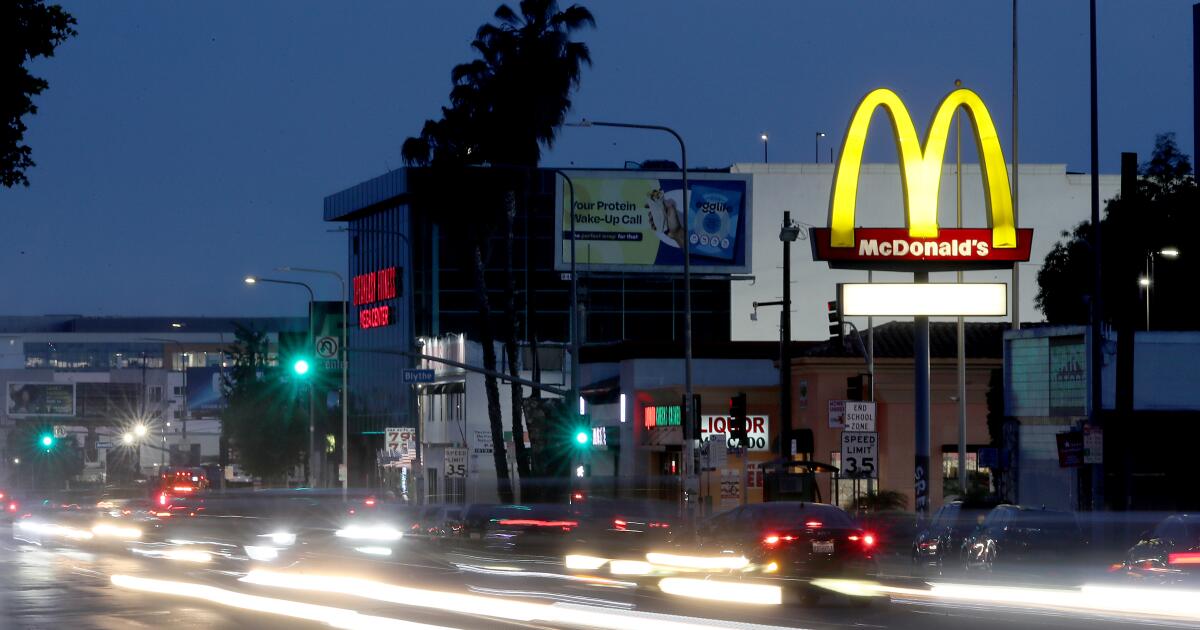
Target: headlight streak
[[719, 591], [702, 563], [371, 532], [514, 572], [1090, 598], [564, 614], [335, 617], [108, 530]]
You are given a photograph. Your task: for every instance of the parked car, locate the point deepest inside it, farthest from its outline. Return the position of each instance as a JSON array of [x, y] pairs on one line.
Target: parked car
[[793, 541], [1035, 542], [1169, 553], [938, 547]]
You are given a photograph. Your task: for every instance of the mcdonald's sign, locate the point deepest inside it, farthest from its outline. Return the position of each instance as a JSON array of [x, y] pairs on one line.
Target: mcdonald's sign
[[922, 244]]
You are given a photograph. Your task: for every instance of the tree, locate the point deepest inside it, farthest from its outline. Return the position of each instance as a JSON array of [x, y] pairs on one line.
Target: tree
[[28, 29], [505, 106], [263, 418], [1164, 209]]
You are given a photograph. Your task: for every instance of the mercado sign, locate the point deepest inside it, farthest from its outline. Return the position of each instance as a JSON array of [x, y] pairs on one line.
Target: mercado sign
[[662, 416], [922, 245], [634, 221]]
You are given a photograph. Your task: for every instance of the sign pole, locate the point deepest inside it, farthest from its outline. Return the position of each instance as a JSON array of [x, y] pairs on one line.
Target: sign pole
[[921, 421]]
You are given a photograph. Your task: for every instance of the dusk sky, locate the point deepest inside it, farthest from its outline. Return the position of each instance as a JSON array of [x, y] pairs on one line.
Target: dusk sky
[[181, 146]]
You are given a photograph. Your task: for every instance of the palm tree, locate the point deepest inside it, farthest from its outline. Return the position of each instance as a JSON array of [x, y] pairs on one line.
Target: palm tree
[[505, 106]]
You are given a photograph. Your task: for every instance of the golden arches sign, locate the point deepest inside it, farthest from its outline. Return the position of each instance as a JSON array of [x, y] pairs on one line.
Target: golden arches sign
[[921, 174]]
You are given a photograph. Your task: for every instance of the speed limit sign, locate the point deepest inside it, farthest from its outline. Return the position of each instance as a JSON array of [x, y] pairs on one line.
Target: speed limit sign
[[860, 454], [456, 462]]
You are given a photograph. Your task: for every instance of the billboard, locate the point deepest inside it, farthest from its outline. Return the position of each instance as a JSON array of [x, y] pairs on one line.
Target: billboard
[[204, 395], [634, 221], [40, 399]]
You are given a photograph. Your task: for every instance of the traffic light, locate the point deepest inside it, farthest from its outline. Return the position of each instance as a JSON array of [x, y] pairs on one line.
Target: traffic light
[[835, 322], [300, 366], [46, 440], [858, 387], [583, 438], [694, 410], [737, 419]]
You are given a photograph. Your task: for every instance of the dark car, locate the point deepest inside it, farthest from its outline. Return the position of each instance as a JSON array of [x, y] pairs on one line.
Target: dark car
[[939, 546], [617, 528], [794, 541], [1034, 542], [539, 529], [1169, 553]]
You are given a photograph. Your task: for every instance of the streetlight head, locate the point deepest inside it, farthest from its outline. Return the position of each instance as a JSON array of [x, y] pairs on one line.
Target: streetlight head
[[764, 137], [1169, 252], [139, 430], [176, 325], [127, 438], [820, 134], [1144, 281], [250, 280]]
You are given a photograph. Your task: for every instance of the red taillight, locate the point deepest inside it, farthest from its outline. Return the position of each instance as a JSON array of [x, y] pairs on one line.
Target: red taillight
[[183, 489], [162, 499], [619, 524], [771, 540], [1, 495], [662, 525], [537, 522], [812, 524], [868, 540], [370, 502], [12, 507], [1189, 557]]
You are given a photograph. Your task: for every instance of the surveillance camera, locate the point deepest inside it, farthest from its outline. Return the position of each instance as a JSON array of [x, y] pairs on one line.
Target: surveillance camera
[[789, 233], [754, 316]]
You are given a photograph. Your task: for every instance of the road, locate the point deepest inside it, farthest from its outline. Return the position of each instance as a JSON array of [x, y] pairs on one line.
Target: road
[[79, 587]]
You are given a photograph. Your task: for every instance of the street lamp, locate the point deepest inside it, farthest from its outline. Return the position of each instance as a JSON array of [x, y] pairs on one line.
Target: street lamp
[[1147, 280], [312, 444], [688, 400], [817, 147], [765, 142], [345, 373]]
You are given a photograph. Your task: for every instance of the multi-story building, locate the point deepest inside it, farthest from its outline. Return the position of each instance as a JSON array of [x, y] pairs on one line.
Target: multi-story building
[[93, 379]]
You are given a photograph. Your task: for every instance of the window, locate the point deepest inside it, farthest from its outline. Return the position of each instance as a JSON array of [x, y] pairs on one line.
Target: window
[[978, 479], [178, 391], [154, 394]]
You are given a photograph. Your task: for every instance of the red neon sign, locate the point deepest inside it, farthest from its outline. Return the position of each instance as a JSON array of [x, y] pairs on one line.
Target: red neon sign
[[374, 317], [375, 286]]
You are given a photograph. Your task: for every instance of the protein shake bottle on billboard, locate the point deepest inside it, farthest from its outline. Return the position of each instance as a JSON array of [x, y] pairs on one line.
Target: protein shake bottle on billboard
[[713, 221]]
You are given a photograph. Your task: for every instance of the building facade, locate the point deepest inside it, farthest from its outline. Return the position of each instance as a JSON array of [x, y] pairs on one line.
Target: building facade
[[93, 379]]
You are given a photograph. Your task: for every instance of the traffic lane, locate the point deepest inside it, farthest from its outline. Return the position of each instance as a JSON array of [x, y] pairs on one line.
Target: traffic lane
[[64, 587]]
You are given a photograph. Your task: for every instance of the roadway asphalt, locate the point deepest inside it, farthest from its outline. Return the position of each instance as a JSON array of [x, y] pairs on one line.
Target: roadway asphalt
[[73, 586]]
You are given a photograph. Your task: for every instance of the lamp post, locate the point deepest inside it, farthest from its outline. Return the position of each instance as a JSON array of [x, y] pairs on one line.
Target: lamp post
[[1147, 281], [765, 141], [183, 372], [574, 322], [345, 366], [409, 335], [312, 444], [688, 447], [817, 147]]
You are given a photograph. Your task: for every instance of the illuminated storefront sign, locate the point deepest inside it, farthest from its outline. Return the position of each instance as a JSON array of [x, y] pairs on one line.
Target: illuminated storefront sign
[[922, 244], [372, 287], [662, 416]]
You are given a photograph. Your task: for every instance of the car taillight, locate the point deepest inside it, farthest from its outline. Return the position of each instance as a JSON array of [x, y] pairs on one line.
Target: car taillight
[[619, 524], [1188, 557], [369, 502], [162, 499], [867, 539], [812, 524], [660, 525], [12, 506], [774, 539]]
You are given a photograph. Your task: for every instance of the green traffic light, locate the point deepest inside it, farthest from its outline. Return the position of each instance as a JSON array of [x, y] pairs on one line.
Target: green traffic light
[[582, 438], [47, 440], [300, 367]]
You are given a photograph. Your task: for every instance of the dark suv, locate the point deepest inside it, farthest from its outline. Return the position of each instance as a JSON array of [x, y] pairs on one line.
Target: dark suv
[[1031, 541], [939, 547]]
